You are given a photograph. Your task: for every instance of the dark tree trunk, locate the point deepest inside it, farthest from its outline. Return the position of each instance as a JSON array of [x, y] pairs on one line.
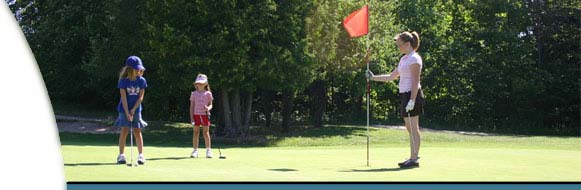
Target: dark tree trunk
[[236, 111], [287, 108], [268, 98], [247, 113], [319, 102], [217, 117], [227, 113]]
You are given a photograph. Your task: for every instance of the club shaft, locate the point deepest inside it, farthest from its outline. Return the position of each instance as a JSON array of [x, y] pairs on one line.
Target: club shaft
[[412, 138], [214, 135], [131, 139]]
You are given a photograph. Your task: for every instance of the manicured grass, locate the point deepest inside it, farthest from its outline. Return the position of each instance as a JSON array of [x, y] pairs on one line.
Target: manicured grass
[[96, 163], [332, 153]]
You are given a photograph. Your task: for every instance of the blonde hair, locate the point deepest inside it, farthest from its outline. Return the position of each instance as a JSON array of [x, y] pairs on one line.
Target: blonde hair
[[207, 83], [412, 37], [127, 72]]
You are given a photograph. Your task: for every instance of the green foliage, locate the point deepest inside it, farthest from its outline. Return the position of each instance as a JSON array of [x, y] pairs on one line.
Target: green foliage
[[488, 66]]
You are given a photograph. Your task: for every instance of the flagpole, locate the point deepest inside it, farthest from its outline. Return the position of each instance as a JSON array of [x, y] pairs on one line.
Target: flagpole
[[357, 24], [368, 84], [368, 89]]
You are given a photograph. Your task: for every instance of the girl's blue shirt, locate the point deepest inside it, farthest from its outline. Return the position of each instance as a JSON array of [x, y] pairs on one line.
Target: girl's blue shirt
[[132, 90]]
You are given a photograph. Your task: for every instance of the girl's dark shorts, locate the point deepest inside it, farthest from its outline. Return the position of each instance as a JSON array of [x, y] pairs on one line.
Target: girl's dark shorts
[[418, 107]]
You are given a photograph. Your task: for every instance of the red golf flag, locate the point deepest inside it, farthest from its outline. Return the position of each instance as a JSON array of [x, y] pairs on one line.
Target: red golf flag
[[356, 23]]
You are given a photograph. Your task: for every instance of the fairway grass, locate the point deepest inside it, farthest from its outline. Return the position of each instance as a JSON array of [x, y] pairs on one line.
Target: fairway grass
[[444, 157]]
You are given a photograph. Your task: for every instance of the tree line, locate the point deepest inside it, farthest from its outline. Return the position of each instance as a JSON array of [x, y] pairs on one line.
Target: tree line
[[496, 66]]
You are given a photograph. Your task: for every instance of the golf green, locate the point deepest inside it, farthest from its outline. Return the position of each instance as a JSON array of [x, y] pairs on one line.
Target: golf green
[[325, 163]]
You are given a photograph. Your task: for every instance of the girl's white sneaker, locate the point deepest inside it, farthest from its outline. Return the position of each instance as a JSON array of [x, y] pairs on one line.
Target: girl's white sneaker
[[208, 153], [140, 159], [121, 159]]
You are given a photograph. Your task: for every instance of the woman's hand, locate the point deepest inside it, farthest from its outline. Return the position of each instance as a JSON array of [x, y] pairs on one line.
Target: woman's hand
[[410, 106], [369, 75]]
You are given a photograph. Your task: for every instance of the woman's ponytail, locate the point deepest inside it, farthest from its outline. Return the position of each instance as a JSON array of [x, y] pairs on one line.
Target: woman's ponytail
[[416, 41]]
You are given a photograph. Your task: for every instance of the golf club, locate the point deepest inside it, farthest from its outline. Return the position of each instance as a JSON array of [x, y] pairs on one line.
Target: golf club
[[411, 132], [220, 152], [130, 164], [214, 134]]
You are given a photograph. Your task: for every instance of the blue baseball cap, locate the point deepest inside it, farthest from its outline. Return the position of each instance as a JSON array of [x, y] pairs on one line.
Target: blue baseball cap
[[134, 62]]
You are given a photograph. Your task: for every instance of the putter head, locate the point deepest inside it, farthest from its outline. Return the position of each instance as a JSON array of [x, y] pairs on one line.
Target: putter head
[[222, 157], [131, 165]]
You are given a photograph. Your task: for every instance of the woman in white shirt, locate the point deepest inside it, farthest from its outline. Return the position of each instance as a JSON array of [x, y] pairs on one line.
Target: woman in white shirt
[[412, 98]]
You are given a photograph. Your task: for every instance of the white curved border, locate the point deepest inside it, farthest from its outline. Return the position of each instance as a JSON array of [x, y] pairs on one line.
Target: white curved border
[[30, 155]]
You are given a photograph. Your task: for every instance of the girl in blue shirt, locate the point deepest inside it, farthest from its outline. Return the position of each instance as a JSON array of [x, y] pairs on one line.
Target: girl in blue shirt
[[132, 89]]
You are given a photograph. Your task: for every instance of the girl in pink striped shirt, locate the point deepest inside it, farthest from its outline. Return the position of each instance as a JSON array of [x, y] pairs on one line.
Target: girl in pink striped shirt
[[200, 106]]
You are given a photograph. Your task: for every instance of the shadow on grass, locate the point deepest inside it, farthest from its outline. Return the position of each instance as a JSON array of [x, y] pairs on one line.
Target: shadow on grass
[[172, 134], [168, 158], [327, 131], [377, 170], [179, 135], [283, 170], [112, 164], [93, 164]]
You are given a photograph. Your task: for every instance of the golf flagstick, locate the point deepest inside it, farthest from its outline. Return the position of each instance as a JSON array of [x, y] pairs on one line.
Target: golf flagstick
[[368, 89], [368, 85], [357, 24]]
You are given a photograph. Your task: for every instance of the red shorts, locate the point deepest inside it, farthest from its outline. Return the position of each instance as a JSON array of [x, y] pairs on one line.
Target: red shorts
[[201, 120]]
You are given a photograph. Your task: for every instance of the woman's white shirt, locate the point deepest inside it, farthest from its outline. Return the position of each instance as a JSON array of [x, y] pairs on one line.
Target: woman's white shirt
[[405, 73]]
